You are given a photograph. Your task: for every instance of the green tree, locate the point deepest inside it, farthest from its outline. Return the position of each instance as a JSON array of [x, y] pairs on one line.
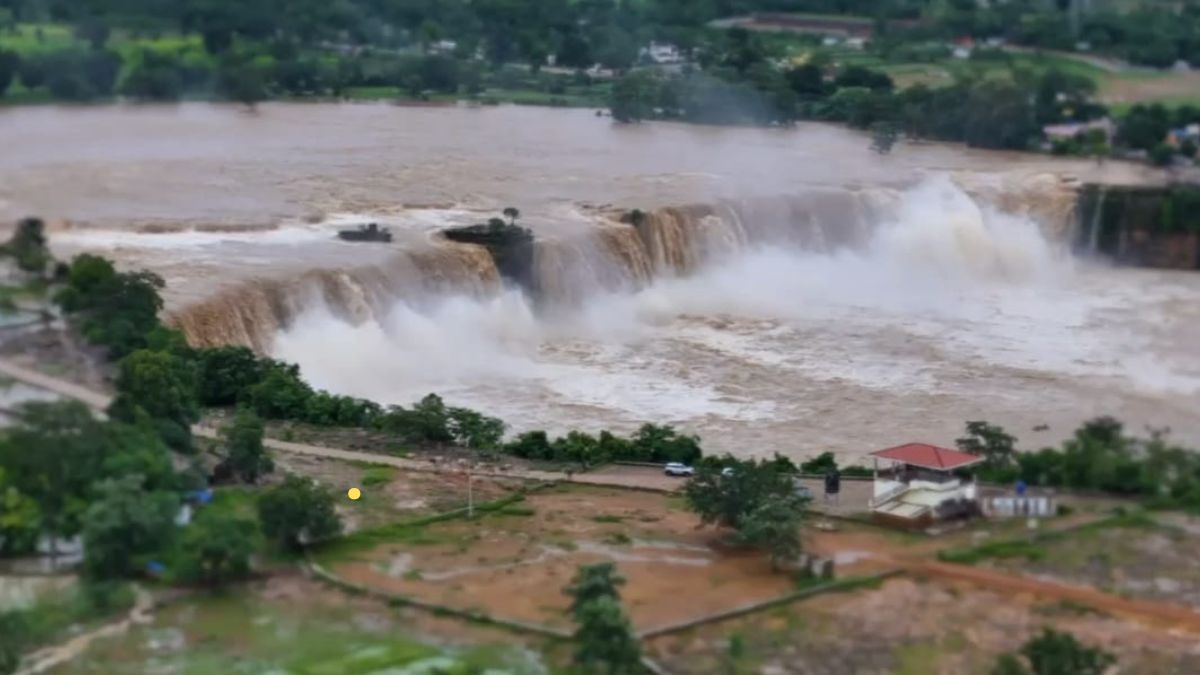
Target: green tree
[[52, 456], [93, 30], [883, 137], [162, 387], [244, 446], [1055, 653], [298, 512], [661, 444], [999, 114], [1144, 127], [223, 374], [633, 96], [125, 527], [1162, 154], [216, 548], [154, 76], [281, 394], [14, 629], [475, 430], [28, 245], [10, 63], [243, 79], [20, 520], [726, 491], [428, 421], [775, 525], [993, 443], [604, 638], [118, 309]]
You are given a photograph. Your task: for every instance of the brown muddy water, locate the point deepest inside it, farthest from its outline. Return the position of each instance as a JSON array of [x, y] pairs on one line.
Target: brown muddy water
[[788, 290]]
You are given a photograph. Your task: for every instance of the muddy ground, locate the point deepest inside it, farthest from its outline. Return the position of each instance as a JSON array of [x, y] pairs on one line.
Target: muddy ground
[[910, 627], [1156, 561], [515, 565], [388, 494]]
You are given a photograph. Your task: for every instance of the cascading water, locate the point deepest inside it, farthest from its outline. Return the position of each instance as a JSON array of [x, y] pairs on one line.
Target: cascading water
[[803, 318]]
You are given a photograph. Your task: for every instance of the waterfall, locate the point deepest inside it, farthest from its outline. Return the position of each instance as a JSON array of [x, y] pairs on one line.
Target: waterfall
[[621, 253], [1094, 228]]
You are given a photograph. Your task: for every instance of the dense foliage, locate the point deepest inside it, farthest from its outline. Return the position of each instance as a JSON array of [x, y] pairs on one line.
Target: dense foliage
[[216, 548], [244, 451], [149, 50], [1099, 456], [758, 499], [27, 245], [298, 512], [158, 386], [125, 526], [117, 310], [604, 640], [1054, 653], [55, 454]]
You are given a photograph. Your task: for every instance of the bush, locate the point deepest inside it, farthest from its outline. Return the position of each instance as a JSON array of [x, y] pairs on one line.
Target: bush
[[118, 309], [298, 512], [246, 455], [280, 394], [216, 548], [224, 374]]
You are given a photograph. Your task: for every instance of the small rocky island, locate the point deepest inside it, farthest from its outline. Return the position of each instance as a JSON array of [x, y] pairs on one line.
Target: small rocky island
[[510, 245], [368, 232]]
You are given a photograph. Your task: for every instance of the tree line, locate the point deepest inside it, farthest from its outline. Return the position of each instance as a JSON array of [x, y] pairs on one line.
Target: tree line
[[1099, 456], [738, 82]]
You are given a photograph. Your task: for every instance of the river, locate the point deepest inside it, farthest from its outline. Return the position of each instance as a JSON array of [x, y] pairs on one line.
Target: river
[[812, 295]]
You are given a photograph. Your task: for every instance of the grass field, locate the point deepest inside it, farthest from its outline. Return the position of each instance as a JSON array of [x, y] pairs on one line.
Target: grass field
[[293, 626]]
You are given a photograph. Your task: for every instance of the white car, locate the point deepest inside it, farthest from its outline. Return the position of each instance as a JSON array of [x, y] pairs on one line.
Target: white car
[[678, 469]]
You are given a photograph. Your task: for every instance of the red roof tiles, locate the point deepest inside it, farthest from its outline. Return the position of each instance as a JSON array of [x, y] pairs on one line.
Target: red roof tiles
[[928, 456]]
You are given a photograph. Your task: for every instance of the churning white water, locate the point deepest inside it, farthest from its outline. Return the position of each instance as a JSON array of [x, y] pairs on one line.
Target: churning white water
[[952, 311], [822, 340]]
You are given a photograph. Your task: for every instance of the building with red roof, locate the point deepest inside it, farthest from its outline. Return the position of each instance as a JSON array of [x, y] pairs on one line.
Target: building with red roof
[[916, 484]]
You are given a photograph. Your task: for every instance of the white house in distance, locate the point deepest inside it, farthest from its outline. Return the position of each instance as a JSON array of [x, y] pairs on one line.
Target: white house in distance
[[915, 484]]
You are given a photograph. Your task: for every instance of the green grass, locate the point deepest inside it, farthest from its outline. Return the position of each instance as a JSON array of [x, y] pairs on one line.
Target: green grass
[[1169, 101], [249, 633], [413, 532], [53, 619], [1032, 549], [378, 475], [917, 658], [607, 518], [372, 93], [994, 550], [25, 40]]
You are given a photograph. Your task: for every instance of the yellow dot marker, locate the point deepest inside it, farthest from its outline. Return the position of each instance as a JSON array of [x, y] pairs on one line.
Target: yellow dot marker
[[353, 494]]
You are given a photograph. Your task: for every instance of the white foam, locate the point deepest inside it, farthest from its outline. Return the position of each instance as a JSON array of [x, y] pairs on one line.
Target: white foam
[[946, 298]]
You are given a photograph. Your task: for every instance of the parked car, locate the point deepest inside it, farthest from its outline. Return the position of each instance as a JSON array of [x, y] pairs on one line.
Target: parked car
[[678, 469]]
